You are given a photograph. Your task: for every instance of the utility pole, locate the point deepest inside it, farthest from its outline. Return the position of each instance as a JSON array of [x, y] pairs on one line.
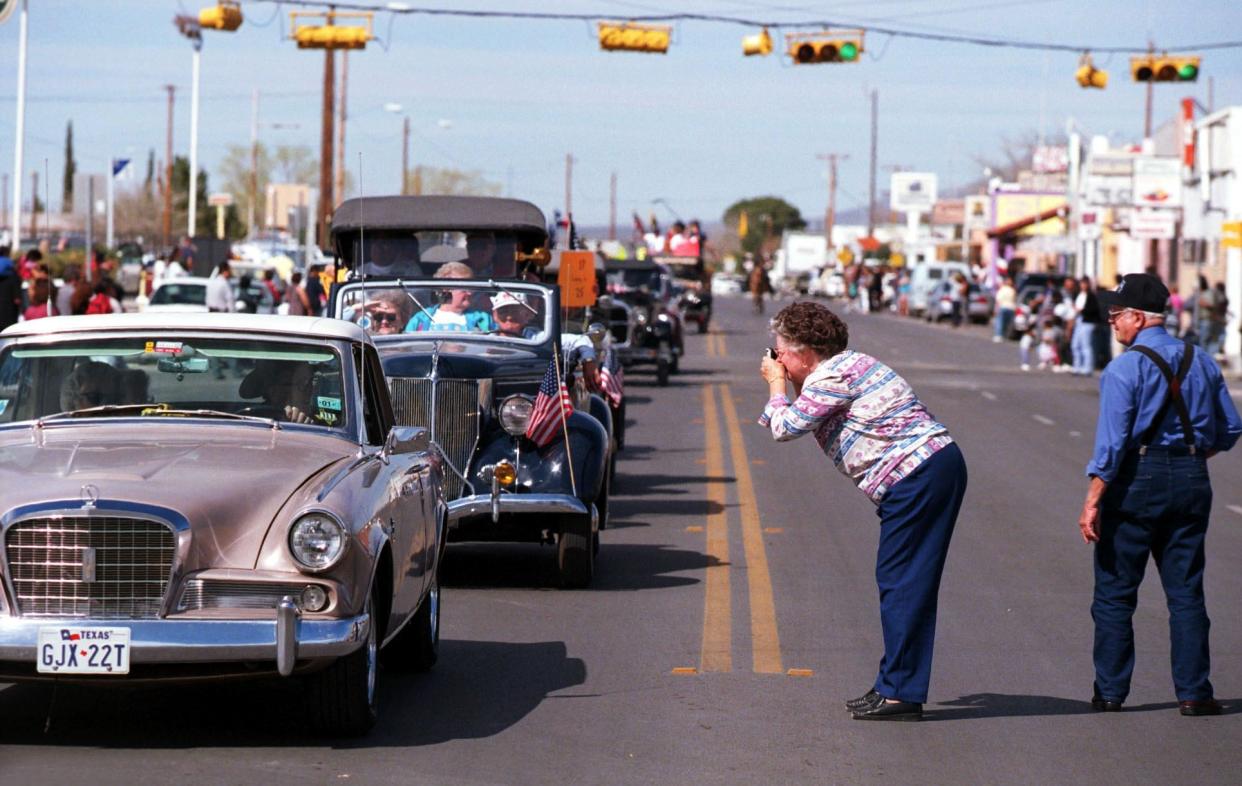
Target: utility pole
[[34, 205], [612, 207], [4, 197], [874, 132], [569, 187], [339, 188], [830, 214], [405, 155], [20, 137], [1151, 50], [325, 143], [168, 171], [254, 163]]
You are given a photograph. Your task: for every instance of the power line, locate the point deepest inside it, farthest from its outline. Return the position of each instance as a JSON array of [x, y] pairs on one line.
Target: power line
[[954, 38]]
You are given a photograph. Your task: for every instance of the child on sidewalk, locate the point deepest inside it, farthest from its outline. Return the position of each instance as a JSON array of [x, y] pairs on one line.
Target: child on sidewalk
[[1026, 342]]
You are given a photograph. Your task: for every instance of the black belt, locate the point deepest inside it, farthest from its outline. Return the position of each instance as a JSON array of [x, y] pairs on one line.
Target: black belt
[[1168, 450]]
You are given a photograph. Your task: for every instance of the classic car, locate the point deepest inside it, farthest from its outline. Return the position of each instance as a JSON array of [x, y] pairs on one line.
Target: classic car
[[209, 496], [692, 288], [456, 363], [645, 292]]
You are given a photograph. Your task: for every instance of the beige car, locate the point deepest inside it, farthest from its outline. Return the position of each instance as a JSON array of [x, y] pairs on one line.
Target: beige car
[[213, 495]]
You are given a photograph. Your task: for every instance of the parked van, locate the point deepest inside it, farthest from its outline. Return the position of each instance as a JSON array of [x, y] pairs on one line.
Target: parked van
[[925, 276]]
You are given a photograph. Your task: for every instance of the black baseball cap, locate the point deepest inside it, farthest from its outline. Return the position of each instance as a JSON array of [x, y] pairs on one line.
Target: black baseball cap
[[1141, 291]]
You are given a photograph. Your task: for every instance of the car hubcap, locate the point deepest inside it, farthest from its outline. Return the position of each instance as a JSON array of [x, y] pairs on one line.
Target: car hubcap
[[433, 598]]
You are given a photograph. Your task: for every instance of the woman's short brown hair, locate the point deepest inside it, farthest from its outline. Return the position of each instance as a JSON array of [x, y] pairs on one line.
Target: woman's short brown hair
[[811, 325]]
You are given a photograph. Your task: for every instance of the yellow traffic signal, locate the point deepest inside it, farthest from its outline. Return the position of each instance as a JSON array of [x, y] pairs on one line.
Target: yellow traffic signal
[[758, 44], [843, 46], [634, 38], [330, 35], [1164, 68], [226, 15], [1090, 76]]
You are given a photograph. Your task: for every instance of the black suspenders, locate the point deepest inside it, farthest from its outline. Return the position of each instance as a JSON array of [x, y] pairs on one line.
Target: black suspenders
[[1174, 397]]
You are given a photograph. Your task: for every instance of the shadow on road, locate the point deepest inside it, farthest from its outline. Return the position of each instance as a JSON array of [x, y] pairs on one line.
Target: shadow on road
[[1005, 705], [619, 566], [478, 689], [642, 485]]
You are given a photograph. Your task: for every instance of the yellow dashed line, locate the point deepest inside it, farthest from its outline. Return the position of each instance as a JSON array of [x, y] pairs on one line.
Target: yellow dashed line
[[717, 651]]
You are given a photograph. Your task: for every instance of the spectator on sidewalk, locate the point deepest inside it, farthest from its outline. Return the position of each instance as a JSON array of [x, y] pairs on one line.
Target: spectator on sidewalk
[[1215, 318], [1026, 345], [1087, 309], [1006, 304], [10, 290], [220, 290]]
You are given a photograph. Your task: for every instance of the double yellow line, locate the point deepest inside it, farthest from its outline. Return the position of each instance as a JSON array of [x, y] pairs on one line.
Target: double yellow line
[[717, 649]]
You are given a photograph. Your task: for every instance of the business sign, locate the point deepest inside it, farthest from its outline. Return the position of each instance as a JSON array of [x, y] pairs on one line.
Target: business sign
[[1231, 234], [1089, 225], [978, 212], [912, 192], [1110, 190], [1050, 158], [1153, 224], [1157, 182], [1015, 207], [1111, 164], [576, 278], [220, 199]]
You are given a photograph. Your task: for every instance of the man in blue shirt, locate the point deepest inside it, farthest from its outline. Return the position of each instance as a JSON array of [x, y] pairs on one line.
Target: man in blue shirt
[[1164, 410]]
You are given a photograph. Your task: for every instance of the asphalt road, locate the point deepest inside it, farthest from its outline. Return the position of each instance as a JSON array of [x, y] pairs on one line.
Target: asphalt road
[[734, 608]]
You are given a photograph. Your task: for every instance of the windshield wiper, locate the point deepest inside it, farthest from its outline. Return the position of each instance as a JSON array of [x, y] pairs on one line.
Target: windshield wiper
[[410, 295], [155, 409]]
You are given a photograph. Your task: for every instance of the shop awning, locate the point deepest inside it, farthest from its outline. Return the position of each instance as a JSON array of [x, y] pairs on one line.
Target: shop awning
[[1061, 211]]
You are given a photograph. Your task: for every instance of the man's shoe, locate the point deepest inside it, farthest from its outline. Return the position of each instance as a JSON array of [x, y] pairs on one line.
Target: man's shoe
[[890, 711], [1105, 705], [865, 700], [1201, 707]]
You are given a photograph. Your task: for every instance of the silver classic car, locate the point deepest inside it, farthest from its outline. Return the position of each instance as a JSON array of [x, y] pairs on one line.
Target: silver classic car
[[189, 496]]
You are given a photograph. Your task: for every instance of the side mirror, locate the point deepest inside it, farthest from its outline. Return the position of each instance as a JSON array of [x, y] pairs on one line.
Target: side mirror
[[407, 439]]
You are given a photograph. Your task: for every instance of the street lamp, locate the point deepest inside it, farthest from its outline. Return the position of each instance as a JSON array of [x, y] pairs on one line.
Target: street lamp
[[396, 108]]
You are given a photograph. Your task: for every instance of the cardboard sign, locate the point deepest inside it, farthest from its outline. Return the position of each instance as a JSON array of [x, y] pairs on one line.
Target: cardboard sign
[[577, 279]]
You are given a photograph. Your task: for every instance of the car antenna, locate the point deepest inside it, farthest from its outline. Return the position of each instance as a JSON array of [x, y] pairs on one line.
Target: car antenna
[[364, 321], [428, 314], [491, 282]]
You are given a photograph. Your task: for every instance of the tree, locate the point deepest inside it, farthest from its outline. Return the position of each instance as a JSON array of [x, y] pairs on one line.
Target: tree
[[283, 164], [450, 182], [150, 170], [1016, 155], [71, 168], [205, 216], [767, 217]]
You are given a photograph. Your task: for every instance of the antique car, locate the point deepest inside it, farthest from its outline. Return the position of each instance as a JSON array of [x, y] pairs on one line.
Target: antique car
[[646, 292], [210, 496], [692, 288], [468, 358]]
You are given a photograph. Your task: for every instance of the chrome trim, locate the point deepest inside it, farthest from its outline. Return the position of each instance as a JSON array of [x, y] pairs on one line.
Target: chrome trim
[[105, 508], [516, 503], [199, 593], [286, 636], [454, 409], [200, 641]]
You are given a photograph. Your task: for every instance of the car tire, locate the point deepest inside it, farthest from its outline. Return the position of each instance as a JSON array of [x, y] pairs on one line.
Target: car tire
[[575, 552], [674, 365], [662, 372], [342, 699], [703, 325], [417, 647]]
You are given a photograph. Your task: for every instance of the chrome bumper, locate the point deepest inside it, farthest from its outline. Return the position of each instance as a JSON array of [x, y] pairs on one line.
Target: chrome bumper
[[284, 638], [484, 504]]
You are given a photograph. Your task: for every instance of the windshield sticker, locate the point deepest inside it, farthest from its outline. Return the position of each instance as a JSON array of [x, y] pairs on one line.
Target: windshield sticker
[[4, 405], [327, 402], [326, 417], [169, 347]]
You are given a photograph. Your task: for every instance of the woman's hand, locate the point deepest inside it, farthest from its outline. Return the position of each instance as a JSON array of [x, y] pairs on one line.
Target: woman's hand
[[773, 372]]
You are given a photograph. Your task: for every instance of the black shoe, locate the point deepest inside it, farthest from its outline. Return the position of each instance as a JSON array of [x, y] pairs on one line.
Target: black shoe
[[865, 700], [1100, 704], [890, 711], [1200, 707]]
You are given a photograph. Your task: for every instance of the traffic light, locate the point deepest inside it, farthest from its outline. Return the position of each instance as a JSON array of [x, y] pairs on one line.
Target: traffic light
[[226, 16], [824, 47], [330, 35], [758, 44], [634, 38], [1164, 68], [1090, 76]]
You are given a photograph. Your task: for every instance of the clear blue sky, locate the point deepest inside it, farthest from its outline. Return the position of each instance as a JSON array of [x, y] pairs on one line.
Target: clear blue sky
[[698, 127]]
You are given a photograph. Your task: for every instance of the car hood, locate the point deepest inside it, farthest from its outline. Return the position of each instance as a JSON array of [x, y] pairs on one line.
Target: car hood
[[228, 481], [504, 363]]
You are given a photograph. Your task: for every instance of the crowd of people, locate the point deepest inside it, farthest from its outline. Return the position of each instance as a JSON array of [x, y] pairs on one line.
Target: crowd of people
[[28, 291]]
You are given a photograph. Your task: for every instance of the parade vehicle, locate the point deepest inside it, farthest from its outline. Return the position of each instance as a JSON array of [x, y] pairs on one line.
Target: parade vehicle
[[652, 323], [692, 288], [213, 496], [472, 359]]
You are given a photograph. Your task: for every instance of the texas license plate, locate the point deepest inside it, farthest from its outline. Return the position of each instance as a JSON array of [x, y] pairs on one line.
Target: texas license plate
[[74, 650]]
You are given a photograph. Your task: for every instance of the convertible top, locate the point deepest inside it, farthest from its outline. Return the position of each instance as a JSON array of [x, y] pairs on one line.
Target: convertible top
[[421, 213]]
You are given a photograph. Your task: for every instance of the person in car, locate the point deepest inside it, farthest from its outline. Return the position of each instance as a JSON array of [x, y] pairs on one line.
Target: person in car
[[454, 312], [386, 312], [391, 257], [512, 314], [90, 384], [284, 386]]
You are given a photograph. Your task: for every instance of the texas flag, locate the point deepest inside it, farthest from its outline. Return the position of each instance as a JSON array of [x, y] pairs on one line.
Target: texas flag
[[546, 419]]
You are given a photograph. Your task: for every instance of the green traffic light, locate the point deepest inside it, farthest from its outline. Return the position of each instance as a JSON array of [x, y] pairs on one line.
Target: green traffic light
[[849, 50], [1188, 72]]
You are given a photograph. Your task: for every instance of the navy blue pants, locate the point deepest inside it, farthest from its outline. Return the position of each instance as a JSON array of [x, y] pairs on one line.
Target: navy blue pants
[[1158, 505], [917, 516]]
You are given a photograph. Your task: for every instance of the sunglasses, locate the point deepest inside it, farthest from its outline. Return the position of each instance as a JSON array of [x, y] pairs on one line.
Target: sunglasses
[[383, 318], [509, 316]]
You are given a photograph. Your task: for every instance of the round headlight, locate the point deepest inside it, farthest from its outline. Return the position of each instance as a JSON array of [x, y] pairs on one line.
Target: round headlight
[[317, 541], [515, 414], [314, 598], [641, 317]]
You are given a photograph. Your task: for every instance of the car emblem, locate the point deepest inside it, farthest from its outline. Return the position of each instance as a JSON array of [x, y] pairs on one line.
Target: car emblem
[[88, 565], [90, 495]]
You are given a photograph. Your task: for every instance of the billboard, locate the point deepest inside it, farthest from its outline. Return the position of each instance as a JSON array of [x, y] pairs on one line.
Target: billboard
[[1158, 182], [912, 192]]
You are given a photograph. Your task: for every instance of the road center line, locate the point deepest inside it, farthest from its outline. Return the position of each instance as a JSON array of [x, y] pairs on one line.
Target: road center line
[[711, 345], [765, 640], [989, 395], [1044, 420], [717, 648], [1236, 509]]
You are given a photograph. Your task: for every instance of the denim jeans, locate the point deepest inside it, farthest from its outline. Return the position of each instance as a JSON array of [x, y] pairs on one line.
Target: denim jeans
[[1158, 505], [1004, 318], [1083, 347]]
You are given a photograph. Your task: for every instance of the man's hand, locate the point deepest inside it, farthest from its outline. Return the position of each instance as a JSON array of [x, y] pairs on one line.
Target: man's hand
[[1089, 522], [295, 415]]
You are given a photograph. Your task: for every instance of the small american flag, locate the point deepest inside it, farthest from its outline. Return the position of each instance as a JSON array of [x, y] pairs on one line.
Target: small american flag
[[545, 421], [612, 385]]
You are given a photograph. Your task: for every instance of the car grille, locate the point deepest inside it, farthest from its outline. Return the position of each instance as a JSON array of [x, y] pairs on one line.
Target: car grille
[[619, 323], [201, 594], [99, 567], [456, 428]]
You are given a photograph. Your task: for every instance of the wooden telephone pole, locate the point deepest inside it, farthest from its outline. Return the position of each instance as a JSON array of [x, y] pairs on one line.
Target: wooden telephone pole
[[830, 215], [168, 171]]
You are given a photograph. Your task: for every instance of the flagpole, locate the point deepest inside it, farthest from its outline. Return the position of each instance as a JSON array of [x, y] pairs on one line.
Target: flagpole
[[560, 407], [111, 198]]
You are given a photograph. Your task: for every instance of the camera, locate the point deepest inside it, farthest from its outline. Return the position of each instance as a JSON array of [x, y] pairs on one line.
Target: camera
[[772, 353]]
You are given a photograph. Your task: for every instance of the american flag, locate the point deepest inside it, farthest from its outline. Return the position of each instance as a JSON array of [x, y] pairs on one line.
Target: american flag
[[545, 421], [612, 384]]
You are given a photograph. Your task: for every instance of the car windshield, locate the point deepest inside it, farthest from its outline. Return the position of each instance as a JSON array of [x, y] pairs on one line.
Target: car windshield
[[174, 375], [174, 294], [424, 307], [626, 280], [421, 254]]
